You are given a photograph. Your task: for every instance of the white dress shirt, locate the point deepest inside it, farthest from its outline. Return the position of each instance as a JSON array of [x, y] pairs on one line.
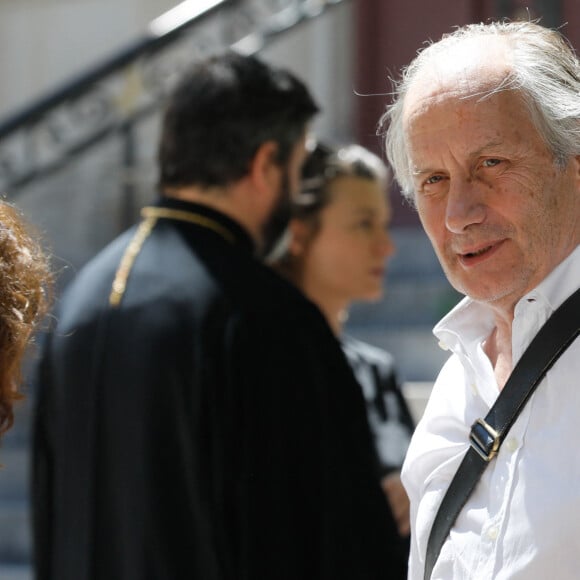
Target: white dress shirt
[[523, 519]]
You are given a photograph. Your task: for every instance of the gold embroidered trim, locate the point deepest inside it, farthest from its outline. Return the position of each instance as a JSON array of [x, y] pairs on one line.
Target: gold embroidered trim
[[187, 216], [133, 249], [151, 215]]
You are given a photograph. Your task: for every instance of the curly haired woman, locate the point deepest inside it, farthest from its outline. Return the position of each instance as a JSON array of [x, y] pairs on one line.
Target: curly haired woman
[[25, 281]]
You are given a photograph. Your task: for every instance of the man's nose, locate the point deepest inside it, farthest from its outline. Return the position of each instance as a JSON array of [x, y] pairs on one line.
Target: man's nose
[[465, 204]]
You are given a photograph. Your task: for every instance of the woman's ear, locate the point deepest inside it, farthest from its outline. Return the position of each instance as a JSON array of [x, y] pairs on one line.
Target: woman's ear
[[300, 235]]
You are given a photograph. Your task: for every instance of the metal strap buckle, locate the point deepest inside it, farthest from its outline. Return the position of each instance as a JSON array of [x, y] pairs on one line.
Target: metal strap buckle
[[484, 439]]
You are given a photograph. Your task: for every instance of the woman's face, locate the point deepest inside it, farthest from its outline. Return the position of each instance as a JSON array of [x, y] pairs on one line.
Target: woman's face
[[344, 259]]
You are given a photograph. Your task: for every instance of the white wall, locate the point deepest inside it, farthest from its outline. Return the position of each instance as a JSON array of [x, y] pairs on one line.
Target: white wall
[[43, 42], [321, 53]]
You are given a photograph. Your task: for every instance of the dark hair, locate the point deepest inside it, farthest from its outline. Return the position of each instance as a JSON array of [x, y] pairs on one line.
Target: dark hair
[[25, 282], [220, 114], [323, 166]]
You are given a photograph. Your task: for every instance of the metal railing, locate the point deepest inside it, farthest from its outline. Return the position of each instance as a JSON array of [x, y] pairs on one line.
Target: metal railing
[[114, 95]]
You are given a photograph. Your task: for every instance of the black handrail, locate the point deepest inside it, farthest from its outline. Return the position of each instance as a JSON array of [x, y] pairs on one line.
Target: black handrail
[[150, 43], [44, 136]]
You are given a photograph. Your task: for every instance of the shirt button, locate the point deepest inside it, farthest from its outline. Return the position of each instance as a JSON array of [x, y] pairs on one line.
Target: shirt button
[[473, 387], [493, 533], [511, 444], [443, 346]]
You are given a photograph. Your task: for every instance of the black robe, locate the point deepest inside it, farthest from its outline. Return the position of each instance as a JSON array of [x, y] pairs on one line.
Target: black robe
[[207, 427]]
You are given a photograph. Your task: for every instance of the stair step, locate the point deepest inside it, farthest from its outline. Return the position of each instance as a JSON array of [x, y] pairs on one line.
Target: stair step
[[14, 473], [15, 572], [15, 533], [417, 354]]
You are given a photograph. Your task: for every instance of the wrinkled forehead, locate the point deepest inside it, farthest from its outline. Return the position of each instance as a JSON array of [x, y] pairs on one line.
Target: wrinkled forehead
[[467, 68]]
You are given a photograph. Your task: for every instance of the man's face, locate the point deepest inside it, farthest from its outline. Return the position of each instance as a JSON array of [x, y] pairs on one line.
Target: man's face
[[288, 189], [499, 213]]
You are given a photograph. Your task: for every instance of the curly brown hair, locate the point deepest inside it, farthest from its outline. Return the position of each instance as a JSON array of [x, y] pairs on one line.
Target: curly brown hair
[[25, 284]]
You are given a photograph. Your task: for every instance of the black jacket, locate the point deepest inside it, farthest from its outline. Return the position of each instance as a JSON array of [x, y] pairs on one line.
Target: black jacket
[[207, 427]]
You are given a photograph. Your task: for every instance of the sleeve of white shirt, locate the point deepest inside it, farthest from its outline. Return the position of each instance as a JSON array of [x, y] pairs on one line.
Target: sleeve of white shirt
[[436, 449]]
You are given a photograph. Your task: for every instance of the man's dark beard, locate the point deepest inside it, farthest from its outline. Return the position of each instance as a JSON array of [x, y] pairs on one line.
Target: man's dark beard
[[279, 218]]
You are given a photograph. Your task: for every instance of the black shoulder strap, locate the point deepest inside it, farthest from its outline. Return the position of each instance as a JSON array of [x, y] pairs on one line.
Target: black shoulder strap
[[487, 434]]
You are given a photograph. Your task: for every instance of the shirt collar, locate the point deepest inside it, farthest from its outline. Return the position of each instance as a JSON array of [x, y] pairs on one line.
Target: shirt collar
[[470, 322]]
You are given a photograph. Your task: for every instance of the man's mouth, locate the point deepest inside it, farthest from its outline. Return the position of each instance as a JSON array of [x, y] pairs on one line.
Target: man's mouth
[[478, 255], [477, 252]]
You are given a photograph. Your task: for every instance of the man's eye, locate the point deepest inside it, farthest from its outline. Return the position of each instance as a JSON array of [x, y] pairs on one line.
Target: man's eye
[[433, 179], [491, 162]]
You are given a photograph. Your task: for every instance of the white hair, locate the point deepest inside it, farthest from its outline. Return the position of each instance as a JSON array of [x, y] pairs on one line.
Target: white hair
[[543, 68]]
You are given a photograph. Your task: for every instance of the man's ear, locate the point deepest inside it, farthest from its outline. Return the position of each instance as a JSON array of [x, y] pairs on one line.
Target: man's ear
[[265, 171]]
